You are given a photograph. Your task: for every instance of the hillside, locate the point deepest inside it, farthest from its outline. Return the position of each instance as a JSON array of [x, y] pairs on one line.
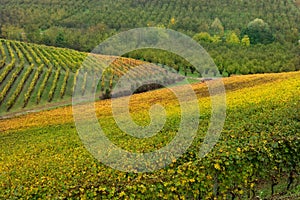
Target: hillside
[[40, 76], [33, 77], [206, 105], [42, 155], [82, 24], [262, 37]]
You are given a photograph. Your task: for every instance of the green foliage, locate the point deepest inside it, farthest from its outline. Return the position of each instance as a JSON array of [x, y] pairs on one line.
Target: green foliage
[[3, 55], [217, 27], [6, 71], [75, 81], [11, 82], [245, 41], [54, 84], [43, 85], [216, 39], [33, 84], [259, 144], [63, 87], [60, 40], [10, 66], [203, 36], [232, 38], [259, 32], [233, 59], [84, 24], [19, 88]]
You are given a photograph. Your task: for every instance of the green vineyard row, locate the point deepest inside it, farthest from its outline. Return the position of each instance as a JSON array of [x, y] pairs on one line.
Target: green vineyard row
[[33, 74]]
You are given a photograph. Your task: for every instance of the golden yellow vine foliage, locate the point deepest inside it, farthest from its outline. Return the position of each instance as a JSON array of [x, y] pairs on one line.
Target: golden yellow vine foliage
[[240, 91]]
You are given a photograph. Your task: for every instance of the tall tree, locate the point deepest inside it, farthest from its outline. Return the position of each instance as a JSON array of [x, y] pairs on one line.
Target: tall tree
[[259, 32], [217, 27], [60, 39]]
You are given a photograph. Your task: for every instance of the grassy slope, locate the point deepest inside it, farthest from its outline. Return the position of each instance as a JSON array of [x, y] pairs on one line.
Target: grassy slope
[[42, 156]]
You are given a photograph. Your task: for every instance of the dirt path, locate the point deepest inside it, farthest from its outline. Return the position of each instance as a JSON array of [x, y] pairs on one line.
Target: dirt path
[[36, 109]]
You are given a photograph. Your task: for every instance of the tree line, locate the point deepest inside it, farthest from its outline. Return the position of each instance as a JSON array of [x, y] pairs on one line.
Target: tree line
[[242, 36], [82, 24], [232, 59]]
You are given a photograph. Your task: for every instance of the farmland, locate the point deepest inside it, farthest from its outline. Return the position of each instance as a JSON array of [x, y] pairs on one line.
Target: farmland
[[43, 157], [140, 99], [37, 75]]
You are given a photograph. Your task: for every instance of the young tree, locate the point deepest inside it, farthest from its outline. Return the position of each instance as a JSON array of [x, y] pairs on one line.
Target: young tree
[[292, 35], [33, 33], [232, 68], [232, 38], [217, 27], [203, 27], [245, 41], [216, 39]]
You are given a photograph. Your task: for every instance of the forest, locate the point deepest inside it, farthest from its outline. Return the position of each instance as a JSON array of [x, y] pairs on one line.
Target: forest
[[246, 42], [83, 24]]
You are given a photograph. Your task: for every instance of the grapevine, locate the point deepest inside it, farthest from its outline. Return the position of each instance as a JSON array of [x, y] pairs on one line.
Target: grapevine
[[54, 84], [33, 84], [19, 88], [63, 87], [43, 85]]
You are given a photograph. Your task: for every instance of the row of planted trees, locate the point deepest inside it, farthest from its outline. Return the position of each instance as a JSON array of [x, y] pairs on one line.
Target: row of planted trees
[[229, 38], [232, 58], [93, 23]]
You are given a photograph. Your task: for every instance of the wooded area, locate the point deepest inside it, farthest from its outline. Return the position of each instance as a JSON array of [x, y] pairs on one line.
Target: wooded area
[[83, 24]]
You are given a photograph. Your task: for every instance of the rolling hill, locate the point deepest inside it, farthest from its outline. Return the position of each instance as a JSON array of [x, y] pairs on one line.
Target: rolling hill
[[42, 155], [40, 76], [50, 142]]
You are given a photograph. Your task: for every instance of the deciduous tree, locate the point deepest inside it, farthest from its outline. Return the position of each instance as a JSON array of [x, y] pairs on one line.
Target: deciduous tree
[[259, 32]]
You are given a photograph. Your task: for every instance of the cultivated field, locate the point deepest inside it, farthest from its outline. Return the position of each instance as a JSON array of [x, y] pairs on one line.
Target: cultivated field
[[42, 156], [32, 75]]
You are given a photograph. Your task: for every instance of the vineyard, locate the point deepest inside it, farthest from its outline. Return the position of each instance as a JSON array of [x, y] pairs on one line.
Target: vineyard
[[32, 75], [42, 155], [140, 99]]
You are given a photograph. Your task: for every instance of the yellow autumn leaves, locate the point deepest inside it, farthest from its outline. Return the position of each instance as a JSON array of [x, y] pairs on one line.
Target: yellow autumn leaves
[[240, 91]]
